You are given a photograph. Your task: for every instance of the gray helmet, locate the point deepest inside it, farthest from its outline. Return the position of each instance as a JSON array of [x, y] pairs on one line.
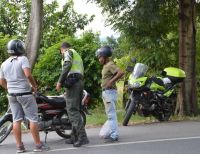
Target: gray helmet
[[15, 47], [104, 51]]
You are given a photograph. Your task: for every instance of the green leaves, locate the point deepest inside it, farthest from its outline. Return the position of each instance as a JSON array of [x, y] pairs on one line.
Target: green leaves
[[3, 56]]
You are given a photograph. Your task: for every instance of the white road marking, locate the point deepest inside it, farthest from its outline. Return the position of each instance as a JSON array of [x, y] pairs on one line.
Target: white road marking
[[122, 143]]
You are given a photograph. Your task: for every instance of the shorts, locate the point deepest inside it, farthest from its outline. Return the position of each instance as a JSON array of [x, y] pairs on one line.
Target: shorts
[[23, 107]]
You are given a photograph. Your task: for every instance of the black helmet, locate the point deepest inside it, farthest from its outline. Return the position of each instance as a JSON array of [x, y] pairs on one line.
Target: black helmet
[[104, 51], [15, 47]]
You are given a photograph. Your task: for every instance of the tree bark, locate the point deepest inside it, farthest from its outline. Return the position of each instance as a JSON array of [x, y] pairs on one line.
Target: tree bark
[[187, 98], [34, 31]]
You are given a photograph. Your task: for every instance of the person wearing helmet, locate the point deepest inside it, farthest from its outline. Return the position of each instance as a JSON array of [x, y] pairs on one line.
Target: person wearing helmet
[[72, 79], [16, 78], [110, 74]]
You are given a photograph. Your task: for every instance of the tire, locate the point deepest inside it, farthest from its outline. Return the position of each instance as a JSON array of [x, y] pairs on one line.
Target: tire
[[129, 112], [164, 115], [67, 133], [6, 124]]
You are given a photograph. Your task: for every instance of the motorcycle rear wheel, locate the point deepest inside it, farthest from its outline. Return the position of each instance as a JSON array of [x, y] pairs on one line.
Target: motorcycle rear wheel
[[5, 128], [67, 133], [128, 112], [162, 117]]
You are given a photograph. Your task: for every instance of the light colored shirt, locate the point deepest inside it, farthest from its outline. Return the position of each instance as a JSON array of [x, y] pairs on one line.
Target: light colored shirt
[[12, 71]]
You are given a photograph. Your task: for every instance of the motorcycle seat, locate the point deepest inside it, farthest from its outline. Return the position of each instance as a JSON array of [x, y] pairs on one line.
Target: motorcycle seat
[[57, 101]]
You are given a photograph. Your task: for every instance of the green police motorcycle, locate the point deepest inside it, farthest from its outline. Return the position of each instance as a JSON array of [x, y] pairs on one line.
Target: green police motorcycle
[[152, 96]]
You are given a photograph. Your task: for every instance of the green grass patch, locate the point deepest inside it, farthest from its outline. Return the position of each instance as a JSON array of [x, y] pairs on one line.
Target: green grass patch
[[99, 117]]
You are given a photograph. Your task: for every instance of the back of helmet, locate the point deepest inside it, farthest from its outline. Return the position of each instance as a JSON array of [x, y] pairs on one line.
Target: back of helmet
[[15, 47]]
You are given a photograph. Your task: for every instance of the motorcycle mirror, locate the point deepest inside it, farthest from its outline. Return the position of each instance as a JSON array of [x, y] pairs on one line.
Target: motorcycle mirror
[[163, 73], [129, 68], [133, 60]]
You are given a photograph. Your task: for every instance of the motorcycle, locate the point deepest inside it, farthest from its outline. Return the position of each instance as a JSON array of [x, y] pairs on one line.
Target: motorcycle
[[51, 113], [152, 96]]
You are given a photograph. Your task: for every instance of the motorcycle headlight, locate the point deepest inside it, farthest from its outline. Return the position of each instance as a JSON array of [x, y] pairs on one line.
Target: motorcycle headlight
[[136, 84]]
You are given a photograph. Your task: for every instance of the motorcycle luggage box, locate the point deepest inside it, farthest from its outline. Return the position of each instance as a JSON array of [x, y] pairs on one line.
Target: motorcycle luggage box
[[176, 75]]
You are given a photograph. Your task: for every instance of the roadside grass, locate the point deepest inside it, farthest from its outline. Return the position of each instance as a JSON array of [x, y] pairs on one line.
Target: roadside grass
[[98, 118]]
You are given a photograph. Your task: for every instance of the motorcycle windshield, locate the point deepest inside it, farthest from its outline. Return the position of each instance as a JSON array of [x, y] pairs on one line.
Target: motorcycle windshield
[[139, 70]]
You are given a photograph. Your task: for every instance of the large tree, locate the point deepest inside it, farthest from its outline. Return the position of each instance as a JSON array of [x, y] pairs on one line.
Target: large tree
[[187, 101], [34, 31]]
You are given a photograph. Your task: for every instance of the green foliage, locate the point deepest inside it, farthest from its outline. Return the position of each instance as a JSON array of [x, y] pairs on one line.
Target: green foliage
[[48, 68], [14, 17], [3, 56], [57, 24], [148, 27], [123, 62]]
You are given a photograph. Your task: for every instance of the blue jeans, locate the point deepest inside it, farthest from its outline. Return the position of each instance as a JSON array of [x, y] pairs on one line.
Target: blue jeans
[[110, 99]]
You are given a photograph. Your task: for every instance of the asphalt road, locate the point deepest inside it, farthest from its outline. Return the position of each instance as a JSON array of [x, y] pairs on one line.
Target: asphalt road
[[156, 138]]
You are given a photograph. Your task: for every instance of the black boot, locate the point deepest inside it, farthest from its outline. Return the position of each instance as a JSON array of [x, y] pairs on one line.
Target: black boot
[[69, 141], [81, 142], [73, 137]]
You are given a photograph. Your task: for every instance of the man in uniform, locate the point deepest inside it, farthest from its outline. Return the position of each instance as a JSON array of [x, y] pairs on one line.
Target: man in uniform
[[72, 79]]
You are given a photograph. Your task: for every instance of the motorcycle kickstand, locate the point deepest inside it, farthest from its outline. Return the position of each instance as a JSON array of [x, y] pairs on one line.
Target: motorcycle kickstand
[[45, 140]]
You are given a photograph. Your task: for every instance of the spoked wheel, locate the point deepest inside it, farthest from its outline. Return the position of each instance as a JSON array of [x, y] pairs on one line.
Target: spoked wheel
[[66, 132], [5, 128]]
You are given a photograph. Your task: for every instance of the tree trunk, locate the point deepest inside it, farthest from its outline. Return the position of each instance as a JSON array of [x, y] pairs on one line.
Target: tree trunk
[[34, 31], [187, 98]]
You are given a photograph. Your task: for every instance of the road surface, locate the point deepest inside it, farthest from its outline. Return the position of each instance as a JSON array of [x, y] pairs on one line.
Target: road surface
[[156, 138]]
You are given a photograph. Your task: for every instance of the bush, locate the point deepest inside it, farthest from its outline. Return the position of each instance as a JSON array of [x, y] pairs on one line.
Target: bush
[[3, 56]]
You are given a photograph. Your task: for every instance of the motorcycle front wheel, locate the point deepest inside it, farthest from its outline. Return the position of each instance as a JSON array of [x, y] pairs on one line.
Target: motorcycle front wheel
[[67, 132], [6, 125], [129, 111]]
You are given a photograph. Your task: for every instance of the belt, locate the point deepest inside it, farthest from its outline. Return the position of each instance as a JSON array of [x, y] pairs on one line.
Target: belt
[[19, 94], [108, 89], [76, 75]]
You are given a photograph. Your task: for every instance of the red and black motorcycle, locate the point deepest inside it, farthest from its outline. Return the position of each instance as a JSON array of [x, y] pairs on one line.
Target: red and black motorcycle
[[52, 116]]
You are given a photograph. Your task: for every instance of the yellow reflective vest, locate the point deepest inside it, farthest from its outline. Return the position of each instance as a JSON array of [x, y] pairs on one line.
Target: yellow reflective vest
[[77, 63]]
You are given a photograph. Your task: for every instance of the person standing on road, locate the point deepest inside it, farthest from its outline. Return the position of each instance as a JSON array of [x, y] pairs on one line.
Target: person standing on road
[[110, 74], [72, 79], [16, 78]]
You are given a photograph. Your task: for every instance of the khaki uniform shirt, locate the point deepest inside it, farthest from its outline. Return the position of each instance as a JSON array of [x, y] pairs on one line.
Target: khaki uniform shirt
[[108, 72]]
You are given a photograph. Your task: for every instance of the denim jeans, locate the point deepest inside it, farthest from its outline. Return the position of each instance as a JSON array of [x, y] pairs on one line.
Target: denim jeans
[[110, 99]]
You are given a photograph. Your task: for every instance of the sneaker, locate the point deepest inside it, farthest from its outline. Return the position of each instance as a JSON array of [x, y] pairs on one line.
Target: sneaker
[[110, 140], [21, 149], [41, 147]]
